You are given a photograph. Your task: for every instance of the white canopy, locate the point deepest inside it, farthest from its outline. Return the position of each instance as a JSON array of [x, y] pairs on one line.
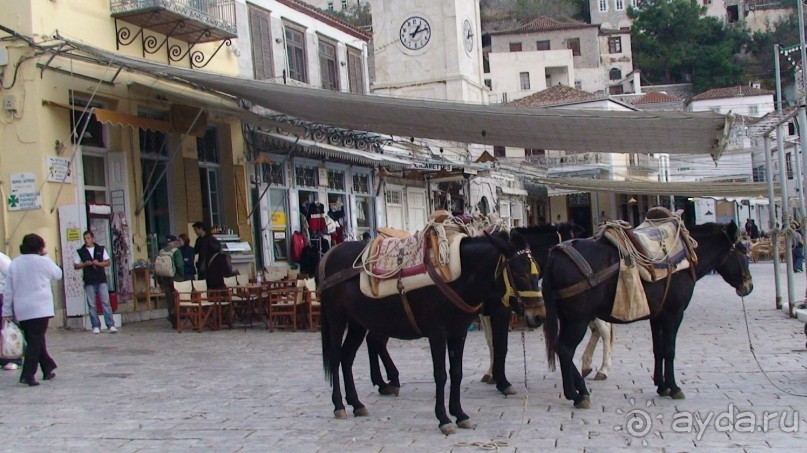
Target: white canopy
[[574, 131], [684, 189]]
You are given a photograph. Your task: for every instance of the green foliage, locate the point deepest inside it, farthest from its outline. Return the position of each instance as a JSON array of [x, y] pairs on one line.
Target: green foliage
[[357, 14], [674, 42], [527, 10]]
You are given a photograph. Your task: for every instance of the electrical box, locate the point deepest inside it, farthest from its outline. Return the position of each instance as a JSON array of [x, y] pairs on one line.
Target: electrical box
[[10, 103], [3, 57]]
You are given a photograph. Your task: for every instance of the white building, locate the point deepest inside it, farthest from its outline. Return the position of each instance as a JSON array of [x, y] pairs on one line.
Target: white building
[[546, 52]]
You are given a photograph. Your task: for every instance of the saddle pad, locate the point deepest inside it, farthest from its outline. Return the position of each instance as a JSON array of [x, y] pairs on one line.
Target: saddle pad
[[654, 240], [413, 275]]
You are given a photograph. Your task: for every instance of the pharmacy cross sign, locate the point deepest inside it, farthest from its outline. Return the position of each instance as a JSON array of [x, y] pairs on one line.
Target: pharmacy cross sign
[[13, 201]]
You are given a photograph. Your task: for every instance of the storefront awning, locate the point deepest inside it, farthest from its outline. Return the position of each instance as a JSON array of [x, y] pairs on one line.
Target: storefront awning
[[688, 189], [575, 131], [114, 118], [347, 154], [514, 192]]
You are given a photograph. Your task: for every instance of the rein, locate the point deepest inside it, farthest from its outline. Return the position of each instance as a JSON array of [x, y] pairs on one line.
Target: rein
[[509, 284]]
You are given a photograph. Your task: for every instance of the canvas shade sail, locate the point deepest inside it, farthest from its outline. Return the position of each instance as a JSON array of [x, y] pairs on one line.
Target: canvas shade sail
[[684, 189], [574, 131]]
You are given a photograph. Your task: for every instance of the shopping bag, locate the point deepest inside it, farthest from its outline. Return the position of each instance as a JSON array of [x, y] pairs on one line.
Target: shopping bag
[[12, 342], [630, 301]]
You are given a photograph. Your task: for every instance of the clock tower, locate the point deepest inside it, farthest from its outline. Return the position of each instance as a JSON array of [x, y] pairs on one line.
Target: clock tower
[[429, 49]]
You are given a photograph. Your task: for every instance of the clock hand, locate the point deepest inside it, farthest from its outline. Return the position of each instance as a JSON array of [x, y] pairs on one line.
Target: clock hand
[[417, 31]]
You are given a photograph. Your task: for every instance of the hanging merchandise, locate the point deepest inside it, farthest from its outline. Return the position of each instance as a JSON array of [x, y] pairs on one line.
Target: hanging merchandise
[[121, 253], [297, 244]]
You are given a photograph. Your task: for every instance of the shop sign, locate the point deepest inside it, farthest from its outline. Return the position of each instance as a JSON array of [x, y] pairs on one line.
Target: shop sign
[[323, 177], [278, 219], [73, 234], [23, 194], [432, 166], [58, 169]]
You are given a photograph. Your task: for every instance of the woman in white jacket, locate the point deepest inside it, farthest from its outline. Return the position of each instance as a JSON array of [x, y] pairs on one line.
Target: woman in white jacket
[[28, 297]]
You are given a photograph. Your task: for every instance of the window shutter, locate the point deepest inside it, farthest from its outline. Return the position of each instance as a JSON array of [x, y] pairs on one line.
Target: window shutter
[[259, 29]]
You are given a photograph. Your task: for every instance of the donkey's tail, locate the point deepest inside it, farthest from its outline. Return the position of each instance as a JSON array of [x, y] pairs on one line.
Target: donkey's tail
[[551, 322]]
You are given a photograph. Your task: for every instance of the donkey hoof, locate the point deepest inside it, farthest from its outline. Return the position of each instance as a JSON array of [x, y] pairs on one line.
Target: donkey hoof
[[487, 378], [508, 391], [663, 392], [600, 376], [466, 424], [361, 412], [448, 429], [586, 371], [389, 390], [678, 395], [340, 413], [584, 403]]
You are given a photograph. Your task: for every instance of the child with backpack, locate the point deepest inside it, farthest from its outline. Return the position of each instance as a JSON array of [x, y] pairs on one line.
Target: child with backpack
[[169, 268]]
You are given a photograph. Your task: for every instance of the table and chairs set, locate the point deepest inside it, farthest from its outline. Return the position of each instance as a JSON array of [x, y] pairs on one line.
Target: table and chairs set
[[277, 299]]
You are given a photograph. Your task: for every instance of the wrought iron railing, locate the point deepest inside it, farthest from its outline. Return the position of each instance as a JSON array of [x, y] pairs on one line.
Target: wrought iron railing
[[571, 159], [216, 13]]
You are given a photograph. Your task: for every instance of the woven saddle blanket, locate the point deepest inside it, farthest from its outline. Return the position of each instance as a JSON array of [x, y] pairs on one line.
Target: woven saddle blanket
[[661, 243], [386, 260]]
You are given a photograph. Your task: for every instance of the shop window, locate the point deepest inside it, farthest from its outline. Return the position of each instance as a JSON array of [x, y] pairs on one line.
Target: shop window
[[95, 190], [336, 180], [154, 151], [295, 54], [306, 176], [361, 183], [209, 154], [327, 65], [364, 215], [273, 174], [393, 196]]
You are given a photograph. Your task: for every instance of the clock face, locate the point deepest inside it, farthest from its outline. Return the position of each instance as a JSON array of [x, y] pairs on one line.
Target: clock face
[[468, 36], [415, 33]]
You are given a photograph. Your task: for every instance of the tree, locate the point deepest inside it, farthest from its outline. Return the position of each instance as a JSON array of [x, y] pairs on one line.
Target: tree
[[784, 32], [674, 42], [530, 9], [357, 13]]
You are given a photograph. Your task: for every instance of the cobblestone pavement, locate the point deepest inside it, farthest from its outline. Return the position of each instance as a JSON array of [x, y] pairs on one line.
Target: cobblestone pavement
[[250, 390]]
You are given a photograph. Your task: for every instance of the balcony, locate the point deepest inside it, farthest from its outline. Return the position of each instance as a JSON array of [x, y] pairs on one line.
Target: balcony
[[190, 21]]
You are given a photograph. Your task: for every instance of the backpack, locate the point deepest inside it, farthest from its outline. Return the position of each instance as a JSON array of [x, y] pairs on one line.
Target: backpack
[[164, 263]]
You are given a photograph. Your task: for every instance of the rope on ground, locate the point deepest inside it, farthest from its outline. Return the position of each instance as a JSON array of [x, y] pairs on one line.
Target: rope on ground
[[759, 365]]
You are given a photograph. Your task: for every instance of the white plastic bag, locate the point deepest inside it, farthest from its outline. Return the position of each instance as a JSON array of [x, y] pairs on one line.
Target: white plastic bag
[[12, 342]]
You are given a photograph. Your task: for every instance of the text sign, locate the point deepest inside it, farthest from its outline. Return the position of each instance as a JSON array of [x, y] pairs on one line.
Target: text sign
[[22, 182], [58, 169], [432, 166], [23, 194]]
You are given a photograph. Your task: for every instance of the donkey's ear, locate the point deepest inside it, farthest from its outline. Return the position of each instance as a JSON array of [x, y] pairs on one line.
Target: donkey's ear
[[499, 242], [518, 240], [731, 230]]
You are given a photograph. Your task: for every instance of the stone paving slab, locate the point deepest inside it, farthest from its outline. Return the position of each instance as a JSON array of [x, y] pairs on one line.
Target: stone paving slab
[[149, 388]]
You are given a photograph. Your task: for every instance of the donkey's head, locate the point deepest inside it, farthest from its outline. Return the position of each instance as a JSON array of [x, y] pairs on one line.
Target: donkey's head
[[519, 273]]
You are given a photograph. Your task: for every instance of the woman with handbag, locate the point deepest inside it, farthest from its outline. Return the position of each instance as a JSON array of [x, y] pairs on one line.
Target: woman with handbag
[[28, 297]]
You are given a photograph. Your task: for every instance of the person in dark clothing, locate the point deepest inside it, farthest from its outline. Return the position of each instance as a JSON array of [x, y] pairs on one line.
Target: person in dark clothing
[[218, 267], [189, 269], [203, 247], [93, 260]]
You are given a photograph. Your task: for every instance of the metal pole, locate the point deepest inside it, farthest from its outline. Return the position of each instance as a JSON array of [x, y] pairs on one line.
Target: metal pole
[[771, 221], [785, 223], [802, 118]]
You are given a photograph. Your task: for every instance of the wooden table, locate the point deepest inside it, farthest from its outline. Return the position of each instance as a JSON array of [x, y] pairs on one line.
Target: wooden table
[[250, 296]]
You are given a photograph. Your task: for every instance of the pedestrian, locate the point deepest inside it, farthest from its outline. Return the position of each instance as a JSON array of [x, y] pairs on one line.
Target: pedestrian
[[219, 266], [187, 256], [754, 231], [28, 298], [797, 248], [366, 236], [169, 266], [5, 262], [93, 260], [203, 247]]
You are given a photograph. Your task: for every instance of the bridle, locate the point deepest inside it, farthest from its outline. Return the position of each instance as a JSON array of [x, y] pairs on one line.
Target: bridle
[[733, 250], [504, 268]]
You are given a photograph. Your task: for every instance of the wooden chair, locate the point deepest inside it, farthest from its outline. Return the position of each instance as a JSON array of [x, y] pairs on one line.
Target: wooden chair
[[313, 306], [285, 305], [190, 307]]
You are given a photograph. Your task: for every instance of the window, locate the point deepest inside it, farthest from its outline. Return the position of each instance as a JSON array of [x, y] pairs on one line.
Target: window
[[207, 150], [614, 74], [759, 173], [328, 66], [578, 84], [336, 180], [574, 45], [355, 71], [295, 53], [498, 151], [618, 89], [330, 6], [344, 4], [361, 183], [534, 152], [755, 109], [394, 196], [615, 44], [789, 165], [95, 189], [85, 123], [524, 77], [515, 47], [261, 36], [273, 174], [619, 5], [542, 45], [306, 176], [634, 3], [603, 4], [489, 84], [791, 128]]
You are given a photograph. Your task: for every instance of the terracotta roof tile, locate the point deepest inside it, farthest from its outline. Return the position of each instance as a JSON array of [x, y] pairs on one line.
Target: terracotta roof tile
[[654, 97], [732, 92], [543, 23], [555, 95]]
